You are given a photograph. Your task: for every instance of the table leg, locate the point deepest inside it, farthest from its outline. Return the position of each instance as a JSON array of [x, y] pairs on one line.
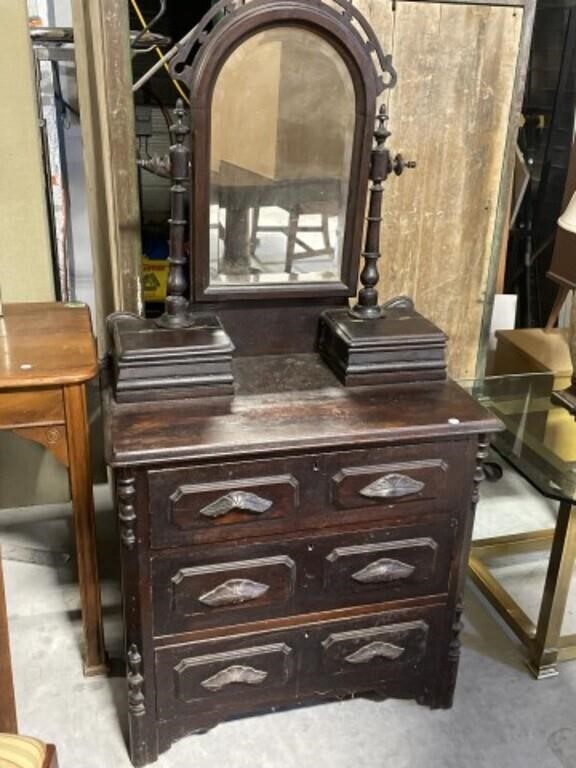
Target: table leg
[[543, 656], [84, 527]]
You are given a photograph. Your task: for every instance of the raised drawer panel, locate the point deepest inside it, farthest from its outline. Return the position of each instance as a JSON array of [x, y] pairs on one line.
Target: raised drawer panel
[[245, 672], [298, 575], [233, 502], [231, 673], [260, 582], [391, 567], [240, 500], [375, 648], [401, 483], [224, 501]]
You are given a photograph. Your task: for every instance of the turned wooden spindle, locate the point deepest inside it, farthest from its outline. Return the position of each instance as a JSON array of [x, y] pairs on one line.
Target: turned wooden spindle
[[176, 313], [382, 165]]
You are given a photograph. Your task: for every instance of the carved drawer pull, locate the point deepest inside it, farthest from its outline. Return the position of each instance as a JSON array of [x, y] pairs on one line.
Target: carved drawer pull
[[392, 486], [383, 570], [236, 500], [376, 650], [234, 592], [233, 675]]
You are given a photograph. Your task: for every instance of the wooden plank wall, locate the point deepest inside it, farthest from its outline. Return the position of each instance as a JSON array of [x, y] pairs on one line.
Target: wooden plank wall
[[104, 74], [450, 111]]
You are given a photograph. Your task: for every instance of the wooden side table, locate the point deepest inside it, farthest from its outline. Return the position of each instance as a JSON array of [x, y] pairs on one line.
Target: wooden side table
[[47, 354], [534, 350]]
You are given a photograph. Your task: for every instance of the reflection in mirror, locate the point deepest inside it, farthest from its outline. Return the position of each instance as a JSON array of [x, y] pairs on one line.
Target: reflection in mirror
[[283, 119]]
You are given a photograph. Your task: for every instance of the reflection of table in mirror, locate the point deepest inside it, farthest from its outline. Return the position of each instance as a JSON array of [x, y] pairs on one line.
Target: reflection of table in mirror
[[263, 233], [540, 443]]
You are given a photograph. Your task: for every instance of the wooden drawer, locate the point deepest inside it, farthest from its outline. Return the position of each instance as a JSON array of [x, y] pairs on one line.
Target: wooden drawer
[[32, 407], [386, 484], [224, 501], [237, 584], [235, 500], [244, 672]]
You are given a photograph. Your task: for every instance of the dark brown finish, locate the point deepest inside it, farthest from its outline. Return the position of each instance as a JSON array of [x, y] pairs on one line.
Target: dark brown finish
[[8, 721], [288, 401], [176, 314], [153, 363], [397, 345], [315, 491], [302, 665], [382, 165], [298, 540], [353, 38], [302, 574], [47, 354], [326, 592]]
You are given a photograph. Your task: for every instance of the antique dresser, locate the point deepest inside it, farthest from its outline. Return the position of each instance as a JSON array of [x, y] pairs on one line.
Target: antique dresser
[[295, 475]]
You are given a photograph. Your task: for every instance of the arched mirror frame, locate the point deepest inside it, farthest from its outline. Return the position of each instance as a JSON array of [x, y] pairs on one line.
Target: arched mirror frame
[[351, 36]]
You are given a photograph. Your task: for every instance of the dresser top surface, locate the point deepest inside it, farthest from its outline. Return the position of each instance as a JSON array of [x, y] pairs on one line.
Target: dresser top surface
[[284, 404]]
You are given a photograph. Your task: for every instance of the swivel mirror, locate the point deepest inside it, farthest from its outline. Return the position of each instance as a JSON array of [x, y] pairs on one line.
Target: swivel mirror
[[279, 187], [282, 113]]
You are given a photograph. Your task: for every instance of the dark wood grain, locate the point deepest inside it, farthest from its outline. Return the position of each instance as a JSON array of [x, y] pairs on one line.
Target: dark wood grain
[[305, 662], [295, 540], [308, 491], [302, 574], [273, 421], [200, 79]]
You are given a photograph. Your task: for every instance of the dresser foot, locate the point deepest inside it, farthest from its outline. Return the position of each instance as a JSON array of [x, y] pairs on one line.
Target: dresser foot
[[441, 698], [143, 746]]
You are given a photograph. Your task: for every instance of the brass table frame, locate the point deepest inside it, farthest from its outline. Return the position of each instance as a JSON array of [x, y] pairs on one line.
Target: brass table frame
[[545, 645]]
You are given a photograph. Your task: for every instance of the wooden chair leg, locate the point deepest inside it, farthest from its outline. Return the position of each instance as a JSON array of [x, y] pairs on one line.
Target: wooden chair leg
[[8, 723], [51, 759]]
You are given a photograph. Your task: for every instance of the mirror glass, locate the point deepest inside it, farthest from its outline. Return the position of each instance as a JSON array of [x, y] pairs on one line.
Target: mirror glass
[[283, 119]]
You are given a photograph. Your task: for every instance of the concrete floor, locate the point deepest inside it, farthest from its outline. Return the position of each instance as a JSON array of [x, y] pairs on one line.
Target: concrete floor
[[502, 718]]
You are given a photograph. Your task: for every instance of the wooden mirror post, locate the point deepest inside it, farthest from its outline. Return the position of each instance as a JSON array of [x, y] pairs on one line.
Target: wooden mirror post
[[181, 354], [176, 314], [371, 343]]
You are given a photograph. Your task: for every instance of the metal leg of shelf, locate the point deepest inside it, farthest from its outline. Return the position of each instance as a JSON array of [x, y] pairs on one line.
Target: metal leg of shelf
[[545, 645]]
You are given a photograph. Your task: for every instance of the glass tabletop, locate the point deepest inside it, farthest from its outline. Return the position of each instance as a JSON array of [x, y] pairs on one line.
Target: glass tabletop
[[539, 439]]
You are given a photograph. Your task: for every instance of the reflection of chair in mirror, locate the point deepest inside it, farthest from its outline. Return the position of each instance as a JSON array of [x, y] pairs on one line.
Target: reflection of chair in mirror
[[260, 228], [301, 238]]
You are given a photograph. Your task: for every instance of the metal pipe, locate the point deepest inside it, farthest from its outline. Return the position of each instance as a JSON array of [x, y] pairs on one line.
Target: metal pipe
[[164, 60]]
